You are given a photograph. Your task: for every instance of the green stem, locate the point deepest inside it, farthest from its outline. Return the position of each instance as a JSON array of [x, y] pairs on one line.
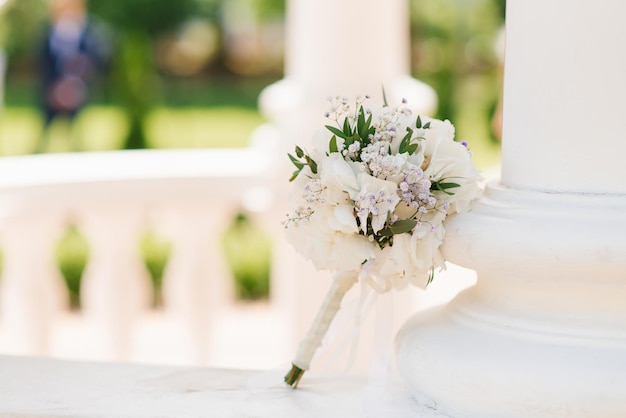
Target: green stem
[[293, 377]]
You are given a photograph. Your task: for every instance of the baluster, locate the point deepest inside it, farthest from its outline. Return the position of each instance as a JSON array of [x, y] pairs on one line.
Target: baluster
[[197, 282], [33, 292], [116, 283]]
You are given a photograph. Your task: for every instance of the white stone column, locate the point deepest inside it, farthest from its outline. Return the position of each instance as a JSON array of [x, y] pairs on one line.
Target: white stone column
[[543, 333], [347, 48], [564, 91]]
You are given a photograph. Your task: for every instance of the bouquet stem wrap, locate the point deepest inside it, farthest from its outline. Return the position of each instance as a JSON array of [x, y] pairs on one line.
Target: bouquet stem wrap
[[342, 283]]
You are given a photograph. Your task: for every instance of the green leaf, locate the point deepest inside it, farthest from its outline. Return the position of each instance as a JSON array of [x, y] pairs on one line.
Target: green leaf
[[299, 152], [418, 122], [347, 129], [336, 131], [332, 146], [403, 225], [444, 186], [361, 118], [431, 276], [406, 141], [299, 164], [311, 164], [362, 124], [385, 232], [426, 126], [294, 175]]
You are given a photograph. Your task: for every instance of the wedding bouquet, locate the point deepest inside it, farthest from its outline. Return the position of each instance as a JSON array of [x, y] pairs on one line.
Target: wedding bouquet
[[370, 202]]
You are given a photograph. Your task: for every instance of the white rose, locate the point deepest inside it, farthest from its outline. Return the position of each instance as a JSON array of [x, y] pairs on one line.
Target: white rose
[[438, 132], [326, 188], [409, 260], [340, 176], [312, 240], [330, 239], [428, 140], [320, 143], [350, 251], [343, 220], [452, 163]]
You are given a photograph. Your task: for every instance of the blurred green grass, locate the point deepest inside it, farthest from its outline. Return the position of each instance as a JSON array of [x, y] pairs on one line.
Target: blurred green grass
[[101, 128], [201, 127]]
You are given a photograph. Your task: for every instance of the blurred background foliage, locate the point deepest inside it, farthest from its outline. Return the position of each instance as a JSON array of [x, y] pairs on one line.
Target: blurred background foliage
[[187, 73], [215, 53]]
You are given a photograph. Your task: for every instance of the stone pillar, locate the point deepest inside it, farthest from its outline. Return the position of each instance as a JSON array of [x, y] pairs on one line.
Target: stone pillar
[[347, 48], [543, 333]]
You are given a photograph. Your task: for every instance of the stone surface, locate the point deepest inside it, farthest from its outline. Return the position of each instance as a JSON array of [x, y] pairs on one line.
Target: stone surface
[[51, 388]]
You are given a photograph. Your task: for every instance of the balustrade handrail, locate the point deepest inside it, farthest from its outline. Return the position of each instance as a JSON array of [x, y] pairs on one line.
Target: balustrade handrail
[[67, 180]]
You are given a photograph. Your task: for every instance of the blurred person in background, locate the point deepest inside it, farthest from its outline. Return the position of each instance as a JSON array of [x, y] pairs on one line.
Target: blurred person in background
[[75, 51]]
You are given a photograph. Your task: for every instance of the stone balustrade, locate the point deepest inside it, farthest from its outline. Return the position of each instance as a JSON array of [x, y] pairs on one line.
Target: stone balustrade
[[113, 198]]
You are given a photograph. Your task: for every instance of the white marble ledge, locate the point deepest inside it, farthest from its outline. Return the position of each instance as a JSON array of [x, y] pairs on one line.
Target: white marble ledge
[[34, 387]]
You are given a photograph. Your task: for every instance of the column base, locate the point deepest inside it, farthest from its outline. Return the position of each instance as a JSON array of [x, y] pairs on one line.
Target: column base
[[461, 369], [543, 333]]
